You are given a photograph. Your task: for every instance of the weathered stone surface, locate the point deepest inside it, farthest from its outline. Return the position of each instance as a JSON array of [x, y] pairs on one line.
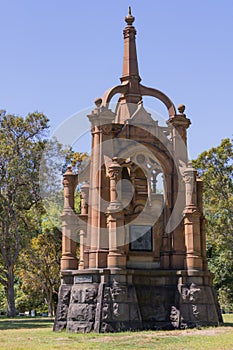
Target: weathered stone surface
[[80, 327], [191, 294], [155, 305], [116, 306], [84, 293], [81, 312], [175, 317], [119, 308], [62, 307], [82, 308], [197, 306]]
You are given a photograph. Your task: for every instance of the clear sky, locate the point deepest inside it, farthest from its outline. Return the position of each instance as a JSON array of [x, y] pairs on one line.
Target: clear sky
[[57, 56]]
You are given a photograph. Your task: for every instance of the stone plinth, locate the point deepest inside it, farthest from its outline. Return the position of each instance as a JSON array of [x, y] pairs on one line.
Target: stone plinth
[[110, 301]]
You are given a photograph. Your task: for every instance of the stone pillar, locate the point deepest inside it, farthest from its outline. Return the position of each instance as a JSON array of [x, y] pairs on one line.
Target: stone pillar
[[69, 223], [84, 192], [179, 125], [94, 186], [100, 118], [166, 241], [115, 220], [192, 222]]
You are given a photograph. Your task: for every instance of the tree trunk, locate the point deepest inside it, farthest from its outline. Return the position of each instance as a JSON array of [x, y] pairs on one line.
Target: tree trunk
[[10, 293], [50, 303]]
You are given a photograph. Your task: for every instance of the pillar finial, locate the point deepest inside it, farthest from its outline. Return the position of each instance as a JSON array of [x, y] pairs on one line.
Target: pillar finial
[[129, 19]]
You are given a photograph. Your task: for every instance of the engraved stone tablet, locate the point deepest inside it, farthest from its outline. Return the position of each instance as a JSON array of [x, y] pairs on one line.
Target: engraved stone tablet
[[141, 238], [83, 279]]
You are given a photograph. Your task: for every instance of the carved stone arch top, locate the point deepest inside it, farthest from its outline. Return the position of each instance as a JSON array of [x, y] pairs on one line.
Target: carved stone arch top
[[147, 91], [144, 91], [108, 95]]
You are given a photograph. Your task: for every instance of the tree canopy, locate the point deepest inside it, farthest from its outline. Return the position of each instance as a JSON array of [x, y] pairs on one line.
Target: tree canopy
[[40, 267], [22, 141], [215, 168], [31, 200]]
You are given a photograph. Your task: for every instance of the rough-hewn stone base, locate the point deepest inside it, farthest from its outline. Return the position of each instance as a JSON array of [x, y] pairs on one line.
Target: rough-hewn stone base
[[115, 300], [62, 307]]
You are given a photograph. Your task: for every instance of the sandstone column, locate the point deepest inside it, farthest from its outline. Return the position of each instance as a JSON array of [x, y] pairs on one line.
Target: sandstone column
[[84, 192], [179, 125], [115, 221], [69, 223], [100, 118], [192, 221]]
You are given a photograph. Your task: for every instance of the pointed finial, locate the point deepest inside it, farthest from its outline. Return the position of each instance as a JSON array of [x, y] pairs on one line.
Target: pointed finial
[[129, 19], [181, 108], [98, 101]]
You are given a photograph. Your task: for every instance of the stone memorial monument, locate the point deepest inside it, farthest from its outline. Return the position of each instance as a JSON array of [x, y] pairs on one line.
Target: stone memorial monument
[[141, 232]]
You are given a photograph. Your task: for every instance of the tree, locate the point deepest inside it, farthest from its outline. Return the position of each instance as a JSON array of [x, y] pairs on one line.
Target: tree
[[39, 263], [40, 266], [22, 142], [215, 168]]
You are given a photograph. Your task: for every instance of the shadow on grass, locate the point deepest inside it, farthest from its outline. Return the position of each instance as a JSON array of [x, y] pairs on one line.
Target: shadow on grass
[[31, 323], [16, 323], [227, 324]]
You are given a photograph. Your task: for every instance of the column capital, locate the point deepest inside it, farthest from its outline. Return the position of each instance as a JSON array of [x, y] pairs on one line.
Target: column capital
[[180, 120], [189, 173], [114, 169], [101, 115]]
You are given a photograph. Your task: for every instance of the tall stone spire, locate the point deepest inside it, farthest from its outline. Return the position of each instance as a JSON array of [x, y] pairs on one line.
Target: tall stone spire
[[131, 90], [130, 72]]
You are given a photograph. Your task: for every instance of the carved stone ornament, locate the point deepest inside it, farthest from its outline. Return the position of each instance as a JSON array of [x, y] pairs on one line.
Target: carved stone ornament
[[114, 169], [190, 293]]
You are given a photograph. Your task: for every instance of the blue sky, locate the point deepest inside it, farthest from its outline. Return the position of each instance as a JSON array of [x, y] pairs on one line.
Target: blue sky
[[58, 56]]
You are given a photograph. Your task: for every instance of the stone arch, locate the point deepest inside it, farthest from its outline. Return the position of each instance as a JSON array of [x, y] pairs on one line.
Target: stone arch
[[144, 91], [147, 91], [108, 95]]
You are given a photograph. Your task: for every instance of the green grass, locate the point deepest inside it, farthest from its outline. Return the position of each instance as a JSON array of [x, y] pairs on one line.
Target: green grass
[[37, 334]]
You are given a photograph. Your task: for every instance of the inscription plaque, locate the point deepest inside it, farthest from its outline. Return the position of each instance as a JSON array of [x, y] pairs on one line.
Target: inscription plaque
[[141, 238], [83, 279]]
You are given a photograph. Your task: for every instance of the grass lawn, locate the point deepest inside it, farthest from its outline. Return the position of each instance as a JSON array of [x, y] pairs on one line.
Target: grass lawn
[[37, 334]]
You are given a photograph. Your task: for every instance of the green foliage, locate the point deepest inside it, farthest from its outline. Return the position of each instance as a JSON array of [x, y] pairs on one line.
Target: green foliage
[[40, 266], [22, 141], [215, 168], [53, 164], [2, 300], [25, 301], [76, 159], [31, 168]]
